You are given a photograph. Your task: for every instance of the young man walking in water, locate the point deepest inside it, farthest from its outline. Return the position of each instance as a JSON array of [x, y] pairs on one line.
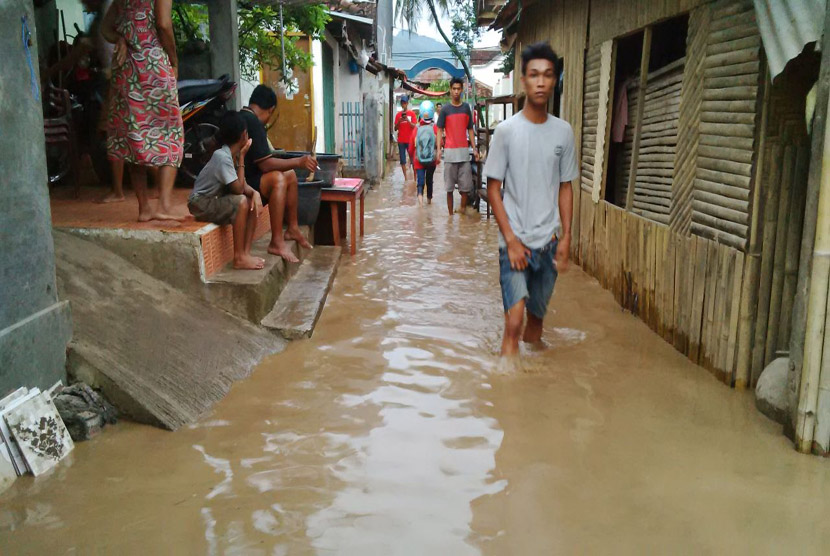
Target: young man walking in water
[[532, 154], [405, 124], [455, 125]]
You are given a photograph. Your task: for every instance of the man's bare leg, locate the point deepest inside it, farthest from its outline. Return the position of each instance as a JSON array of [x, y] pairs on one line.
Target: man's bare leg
[[117, 193], [242, 258], [291, 203], [464, 197], [403, 169], [533, 329], [167, 178], [274, 187], [449, 202], [513, 319]]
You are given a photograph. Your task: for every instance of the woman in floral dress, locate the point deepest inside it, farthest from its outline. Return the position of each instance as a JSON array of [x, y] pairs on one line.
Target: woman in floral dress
[[144, 126]]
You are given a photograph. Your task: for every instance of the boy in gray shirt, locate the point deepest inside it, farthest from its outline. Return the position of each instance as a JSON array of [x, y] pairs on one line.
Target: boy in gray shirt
[[533, 155], [221, 195]]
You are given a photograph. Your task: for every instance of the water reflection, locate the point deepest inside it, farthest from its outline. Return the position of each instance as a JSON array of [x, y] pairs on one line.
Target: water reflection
[[397, 430]]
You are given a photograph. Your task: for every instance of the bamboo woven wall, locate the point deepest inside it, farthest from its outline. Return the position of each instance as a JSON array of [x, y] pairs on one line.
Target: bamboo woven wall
[[614, 18], [655, 165], [589, 116], [687, 289], [623, 165], [720, 206], [782, 174], [688, 136]]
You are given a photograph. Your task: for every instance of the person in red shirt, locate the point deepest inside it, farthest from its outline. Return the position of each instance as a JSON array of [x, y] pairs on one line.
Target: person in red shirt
[[405, 124], [423, 151]]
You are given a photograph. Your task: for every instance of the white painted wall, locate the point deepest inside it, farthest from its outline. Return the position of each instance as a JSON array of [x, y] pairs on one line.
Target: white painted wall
[[317, 101], [73, 12]]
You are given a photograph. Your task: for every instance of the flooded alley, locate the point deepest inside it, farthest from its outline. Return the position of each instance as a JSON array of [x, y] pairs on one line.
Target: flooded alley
[[395, 430]]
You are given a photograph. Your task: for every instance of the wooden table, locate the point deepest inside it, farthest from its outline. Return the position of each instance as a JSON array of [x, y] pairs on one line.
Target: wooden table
[[348, 191]]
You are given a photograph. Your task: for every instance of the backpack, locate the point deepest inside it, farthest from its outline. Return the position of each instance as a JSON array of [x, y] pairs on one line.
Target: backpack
[[425, 144]]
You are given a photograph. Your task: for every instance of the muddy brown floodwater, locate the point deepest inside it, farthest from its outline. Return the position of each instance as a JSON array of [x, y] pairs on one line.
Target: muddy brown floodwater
[[394, 430]]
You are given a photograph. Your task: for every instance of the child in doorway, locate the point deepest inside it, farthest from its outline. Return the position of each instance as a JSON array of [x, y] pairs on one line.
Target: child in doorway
[[221, 195], [423, 151]]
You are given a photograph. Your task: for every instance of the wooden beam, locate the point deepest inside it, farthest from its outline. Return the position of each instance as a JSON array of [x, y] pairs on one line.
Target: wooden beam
[[638, 118]]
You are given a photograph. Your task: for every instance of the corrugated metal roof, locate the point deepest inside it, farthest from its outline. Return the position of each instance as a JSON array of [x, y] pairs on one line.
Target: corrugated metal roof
[[787, 26]]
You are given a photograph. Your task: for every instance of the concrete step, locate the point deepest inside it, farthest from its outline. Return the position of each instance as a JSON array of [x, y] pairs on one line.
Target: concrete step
[[182, 259], [162, 356], [250, 294], [301, 302]]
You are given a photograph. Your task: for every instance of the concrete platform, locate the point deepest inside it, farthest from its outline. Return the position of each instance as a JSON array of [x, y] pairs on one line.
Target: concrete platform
[[162, 356], [299, 307], [251, 294], [193, 257]]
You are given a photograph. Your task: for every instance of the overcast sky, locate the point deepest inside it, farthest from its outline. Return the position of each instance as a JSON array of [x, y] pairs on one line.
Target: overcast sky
[[427, 28]]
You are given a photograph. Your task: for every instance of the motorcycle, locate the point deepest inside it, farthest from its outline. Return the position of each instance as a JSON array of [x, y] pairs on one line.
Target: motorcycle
[[202, 103]]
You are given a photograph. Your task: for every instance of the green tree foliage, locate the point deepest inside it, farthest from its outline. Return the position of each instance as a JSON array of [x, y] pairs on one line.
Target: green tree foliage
[[509, 62], [465, 30], [259, 33], [410, 11], [440, 86]]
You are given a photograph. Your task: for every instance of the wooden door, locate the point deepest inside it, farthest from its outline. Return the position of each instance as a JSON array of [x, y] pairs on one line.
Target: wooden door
[[293, 120]]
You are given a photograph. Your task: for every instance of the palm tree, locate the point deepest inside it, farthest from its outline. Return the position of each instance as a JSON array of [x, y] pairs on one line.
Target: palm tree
[[409, 11]]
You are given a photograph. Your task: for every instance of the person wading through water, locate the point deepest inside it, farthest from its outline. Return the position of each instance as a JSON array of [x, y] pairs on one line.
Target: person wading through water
[[455, 137], [405, 124], [532, 154]]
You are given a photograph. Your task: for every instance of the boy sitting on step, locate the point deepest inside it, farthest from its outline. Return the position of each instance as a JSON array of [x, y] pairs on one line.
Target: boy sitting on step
[[221, 195]]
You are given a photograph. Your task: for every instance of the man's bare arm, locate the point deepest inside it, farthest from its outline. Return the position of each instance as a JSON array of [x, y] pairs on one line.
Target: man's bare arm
[[566, 207], [516, 250], [164, 25], [472, 137], [566, 210], [272, 163]]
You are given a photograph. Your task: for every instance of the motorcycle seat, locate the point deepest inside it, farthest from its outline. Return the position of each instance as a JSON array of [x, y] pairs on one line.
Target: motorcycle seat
[[200, 89]]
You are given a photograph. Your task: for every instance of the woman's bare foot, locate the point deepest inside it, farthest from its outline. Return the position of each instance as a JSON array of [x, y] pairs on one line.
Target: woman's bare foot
[[146, 216], [298, 236], [111, 198], [283, 251], [248, 262], [167, 216]]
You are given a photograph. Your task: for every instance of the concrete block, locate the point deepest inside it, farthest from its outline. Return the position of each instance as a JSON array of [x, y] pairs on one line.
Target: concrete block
[[771, 391], [251, 294], [301, 302], [160, 356]]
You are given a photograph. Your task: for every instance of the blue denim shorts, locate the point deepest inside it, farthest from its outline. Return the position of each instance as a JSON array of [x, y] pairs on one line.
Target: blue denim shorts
[[403, 148], [534, 283]]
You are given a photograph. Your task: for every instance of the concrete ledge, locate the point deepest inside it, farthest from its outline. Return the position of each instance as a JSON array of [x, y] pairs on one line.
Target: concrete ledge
[[162, 356], [25, 360], [299, 307]]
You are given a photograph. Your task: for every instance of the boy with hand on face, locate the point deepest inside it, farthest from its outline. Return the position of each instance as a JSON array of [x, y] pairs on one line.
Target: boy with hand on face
[[221, 195], [532, 154]]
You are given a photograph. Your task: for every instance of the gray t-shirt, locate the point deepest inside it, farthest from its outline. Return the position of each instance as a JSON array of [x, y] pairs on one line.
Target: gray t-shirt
[[217, 174], [532, 160]]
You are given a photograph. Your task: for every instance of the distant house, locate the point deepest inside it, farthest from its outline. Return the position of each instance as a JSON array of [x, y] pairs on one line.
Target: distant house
[[346, 104]]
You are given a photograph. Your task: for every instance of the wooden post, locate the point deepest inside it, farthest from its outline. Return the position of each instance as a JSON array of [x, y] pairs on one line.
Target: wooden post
[[812, 430], [799, 319], [749, 289], [638, 121]]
